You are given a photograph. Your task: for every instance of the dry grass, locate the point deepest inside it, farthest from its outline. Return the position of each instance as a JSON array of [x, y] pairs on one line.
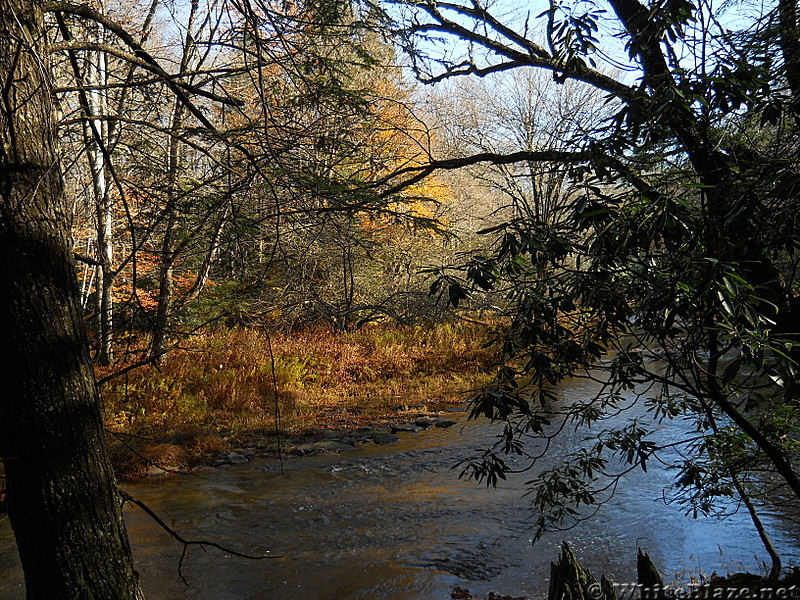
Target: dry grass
[[223, 386]]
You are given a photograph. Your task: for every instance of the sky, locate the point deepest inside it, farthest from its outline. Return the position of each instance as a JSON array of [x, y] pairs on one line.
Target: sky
[[611, 55]]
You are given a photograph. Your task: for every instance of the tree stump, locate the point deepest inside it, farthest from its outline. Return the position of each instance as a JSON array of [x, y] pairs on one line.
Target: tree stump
[[570, 581], [650, 582]]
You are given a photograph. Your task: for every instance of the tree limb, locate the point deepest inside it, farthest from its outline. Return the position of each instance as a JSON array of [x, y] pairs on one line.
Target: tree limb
[[535, 56], [418, 173], [163, 76], [182, 540], [140, 53]]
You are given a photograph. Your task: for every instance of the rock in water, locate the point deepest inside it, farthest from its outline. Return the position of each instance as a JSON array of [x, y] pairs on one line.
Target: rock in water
[[333, 446], [307, 448], [235, 458], [395, 427], [384, 437], [423, 421]]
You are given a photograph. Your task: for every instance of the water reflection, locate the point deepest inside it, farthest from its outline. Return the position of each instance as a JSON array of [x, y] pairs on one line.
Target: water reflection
[[395, 523]]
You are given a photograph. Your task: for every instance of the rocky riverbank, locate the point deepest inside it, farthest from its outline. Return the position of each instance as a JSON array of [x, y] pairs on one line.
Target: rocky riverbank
[[137, 458]]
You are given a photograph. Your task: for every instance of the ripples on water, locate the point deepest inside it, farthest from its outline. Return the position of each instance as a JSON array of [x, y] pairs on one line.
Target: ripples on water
[[392, 523]]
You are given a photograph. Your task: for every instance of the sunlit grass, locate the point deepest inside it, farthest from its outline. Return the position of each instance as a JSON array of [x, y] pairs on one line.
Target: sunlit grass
[[222, 385]]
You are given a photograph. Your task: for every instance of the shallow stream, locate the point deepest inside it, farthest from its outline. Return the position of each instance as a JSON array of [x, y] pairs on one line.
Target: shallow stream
[[394, 522]]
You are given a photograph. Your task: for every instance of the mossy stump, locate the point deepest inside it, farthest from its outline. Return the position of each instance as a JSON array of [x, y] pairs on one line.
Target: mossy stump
[[570, 581]]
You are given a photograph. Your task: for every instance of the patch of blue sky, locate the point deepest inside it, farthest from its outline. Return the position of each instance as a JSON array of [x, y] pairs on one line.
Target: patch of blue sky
[[696, 52]]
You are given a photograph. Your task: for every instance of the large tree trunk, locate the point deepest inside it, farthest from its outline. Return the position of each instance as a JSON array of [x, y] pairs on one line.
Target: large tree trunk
[[62, 499]]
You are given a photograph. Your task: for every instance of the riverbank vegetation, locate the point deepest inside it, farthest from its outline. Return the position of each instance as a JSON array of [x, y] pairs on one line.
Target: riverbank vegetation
[[235, 387]]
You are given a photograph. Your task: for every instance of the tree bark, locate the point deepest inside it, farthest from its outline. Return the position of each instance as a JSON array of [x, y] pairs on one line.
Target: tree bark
[[166, 291], [62, 499], [650, 581], [104, 212]]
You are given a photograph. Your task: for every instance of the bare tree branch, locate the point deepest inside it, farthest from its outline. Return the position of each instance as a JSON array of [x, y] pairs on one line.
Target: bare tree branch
[[173, 79], [139, 52], [182, 540], [418, 173]]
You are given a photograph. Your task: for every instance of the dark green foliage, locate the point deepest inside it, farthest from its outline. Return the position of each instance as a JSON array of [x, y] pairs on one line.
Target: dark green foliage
[[670, 280]]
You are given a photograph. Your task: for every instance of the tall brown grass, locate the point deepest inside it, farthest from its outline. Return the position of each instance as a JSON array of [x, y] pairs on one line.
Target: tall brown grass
[[223, 383]]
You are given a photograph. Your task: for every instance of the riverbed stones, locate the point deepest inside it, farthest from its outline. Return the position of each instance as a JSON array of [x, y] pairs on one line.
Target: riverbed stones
[[230, 458], [426, 421], [403, 428], [335, 440], [384, 437], [154, 471], [333, 446], [235, 458], [301, 449], [321, 446]]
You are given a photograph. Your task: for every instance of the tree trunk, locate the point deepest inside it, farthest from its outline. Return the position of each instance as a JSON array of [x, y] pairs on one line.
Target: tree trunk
[[205, 268], [103, 208], [62, 498], [166, 291], [169, 247]]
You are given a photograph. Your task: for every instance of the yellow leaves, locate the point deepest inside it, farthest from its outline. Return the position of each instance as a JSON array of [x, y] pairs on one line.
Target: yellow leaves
[[394, 137]]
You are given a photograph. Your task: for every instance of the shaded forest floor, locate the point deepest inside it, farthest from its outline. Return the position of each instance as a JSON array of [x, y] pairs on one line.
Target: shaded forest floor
[[217, 395]]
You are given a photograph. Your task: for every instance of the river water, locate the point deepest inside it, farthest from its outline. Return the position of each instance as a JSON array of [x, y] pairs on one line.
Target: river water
[[394, 522]]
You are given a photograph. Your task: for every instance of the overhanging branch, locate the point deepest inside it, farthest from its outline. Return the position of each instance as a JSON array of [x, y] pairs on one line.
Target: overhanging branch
[[418, 173], [531, 54], [182, 540]]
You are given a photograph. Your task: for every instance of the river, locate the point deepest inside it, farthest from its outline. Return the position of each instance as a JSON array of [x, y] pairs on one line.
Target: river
[[394, 522]]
